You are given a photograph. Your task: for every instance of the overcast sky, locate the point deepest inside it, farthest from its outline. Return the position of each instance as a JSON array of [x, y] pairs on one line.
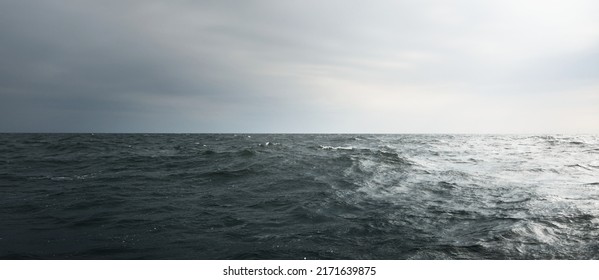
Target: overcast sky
[[300, 66]]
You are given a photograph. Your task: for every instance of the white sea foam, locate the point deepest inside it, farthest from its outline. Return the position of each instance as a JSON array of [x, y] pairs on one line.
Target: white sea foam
[[336, 148]]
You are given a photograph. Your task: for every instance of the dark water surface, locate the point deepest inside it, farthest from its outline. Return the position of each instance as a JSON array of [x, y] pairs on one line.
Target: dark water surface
[[208, 196]]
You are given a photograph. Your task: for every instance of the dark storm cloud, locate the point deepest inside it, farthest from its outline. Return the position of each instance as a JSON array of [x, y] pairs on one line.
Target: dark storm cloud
[[61, 61], [71, 65], [88, 63]]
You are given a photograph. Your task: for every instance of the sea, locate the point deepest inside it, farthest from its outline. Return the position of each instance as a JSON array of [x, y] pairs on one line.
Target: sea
[[298, 196]]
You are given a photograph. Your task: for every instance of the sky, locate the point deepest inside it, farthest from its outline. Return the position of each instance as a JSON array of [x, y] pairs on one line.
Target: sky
[[338, 66]]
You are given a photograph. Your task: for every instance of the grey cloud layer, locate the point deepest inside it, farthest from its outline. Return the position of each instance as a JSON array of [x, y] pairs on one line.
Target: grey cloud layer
[[279, 66]]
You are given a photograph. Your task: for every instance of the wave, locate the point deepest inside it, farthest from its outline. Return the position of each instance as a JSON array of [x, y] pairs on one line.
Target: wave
[[580, 166], [220, 196], [348, 148]]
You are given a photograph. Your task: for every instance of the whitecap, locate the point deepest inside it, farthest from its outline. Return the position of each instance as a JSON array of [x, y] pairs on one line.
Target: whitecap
[[336, 148]]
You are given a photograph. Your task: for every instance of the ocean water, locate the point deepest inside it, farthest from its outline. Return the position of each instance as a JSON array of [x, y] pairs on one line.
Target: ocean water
[[261, 196]]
